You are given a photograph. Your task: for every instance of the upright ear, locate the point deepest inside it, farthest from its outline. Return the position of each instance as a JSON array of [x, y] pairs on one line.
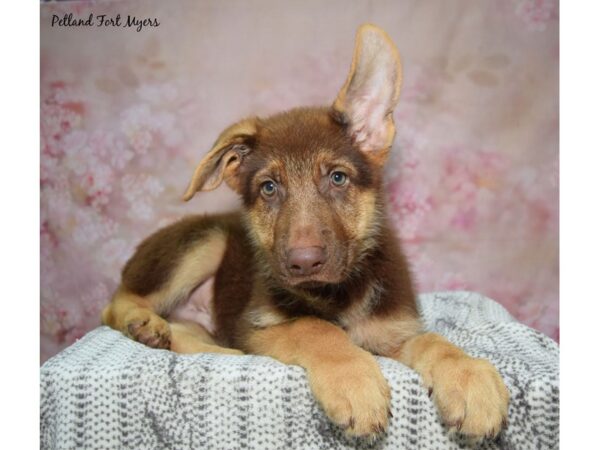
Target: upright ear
[[367, 99], [223, 161]]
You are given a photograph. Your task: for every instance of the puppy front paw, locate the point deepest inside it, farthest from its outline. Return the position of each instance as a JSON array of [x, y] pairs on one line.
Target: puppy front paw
[[354, 394], [148, 328], [471, 396]]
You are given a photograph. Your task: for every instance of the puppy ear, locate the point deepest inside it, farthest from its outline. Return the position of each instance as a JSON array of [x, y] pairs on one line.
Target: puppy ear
[[367, 99], [223, 161]]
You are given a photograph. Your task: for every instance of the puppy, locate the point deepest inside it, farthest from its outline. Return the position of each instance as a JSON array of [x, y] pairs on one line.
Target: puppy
[[309, 271]]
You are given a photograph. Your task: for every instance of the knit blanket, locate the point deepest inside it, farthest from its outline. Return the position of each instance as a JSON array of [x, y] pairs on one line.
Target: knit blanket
[[107, 391]]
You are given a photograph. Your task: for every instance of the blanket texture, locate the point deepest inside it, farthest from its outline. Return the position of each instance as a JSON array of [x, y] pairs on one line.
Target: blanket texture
[[107, 391]]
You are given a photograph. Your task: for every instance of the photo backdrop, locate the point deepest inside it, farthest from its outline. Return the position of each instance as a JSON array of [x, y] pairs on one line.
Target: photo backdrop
[[126, 114]]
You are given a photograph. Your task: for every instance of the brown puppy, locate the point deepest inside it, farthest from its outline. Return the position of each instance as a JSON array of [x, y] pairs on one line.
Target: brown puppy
[[309, 272]]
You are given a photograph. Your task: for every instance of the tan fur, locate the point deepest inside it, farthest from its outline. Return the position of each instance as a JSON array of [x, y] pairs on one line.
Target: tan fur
[[260, 312], [469, 392], [261, 230], [383, 335], [264, 317], [134, 316], [345, 379], [190, 337], [365, 213], [200, 262]]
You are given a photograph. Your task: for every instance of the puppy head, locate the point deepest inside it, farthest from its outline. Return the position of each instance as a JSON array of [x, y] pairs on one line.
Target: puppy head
[[310, 178]]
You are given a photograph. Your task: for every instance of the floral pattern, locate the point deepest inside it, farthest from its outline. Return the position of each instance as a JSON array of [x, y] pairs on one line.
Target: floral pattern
[[472, 181]]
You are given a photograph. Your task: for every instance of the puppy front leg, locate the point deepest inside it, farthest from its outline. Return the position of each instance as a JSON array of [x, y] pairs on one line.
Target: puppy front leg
[[191, 337], [469, 392], [345, 379]]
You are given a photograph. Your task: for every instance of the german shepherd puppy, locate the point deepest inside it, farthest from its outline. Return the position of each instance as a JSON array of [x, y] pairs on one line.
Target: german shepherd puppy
[[309, 271]]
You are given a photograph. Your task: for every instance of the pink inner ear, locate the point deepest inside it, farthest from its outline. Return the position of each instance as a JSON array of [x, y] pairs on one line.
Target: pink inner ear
[[372, 90], [368, 125], [371, 96]]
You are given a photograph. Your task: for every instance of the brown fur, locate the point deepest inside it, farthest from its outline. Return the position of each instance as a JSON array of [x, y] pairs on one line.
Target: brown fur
[[353, 298]]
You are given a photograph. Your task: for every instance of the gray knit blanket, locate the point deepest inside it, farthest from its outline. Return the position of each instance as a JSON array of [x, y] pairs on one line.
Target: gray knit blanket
[[109, 392]]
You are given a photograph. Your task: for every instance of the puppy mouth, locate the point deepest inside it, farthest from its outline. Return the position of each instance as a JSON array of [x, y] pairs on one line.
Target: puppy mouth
[[310, 284], [312, 281]]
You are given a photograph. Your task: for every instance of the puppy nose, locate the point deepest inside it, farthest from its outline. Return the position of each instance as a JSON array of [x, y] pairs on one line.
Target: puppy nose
[[306, 261]]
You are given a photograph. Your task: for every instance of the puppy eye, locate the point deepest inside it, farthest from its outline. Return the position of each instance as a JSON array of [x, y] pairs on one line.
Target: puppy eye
[[338, 178], [268, 188]]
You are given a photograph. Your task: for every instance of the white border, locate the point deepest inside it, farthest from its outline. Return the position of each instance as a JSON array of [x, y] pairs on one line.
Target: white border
[[579, 223], [19, 247]]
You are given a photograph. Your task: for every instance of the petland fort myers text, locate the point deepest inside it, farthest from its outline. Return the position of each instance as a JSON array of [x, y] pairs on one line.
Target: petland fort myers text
[[105, 21]]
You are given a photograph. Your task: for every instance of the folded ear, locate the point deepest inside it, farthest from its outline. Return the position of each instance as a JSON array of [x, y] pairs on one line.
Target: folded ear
[[367, 99], [223, 161]]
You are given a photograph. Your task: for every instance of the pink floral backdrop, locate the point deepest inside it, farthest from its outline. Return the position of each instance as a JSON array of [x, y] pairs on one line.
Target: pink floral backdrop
[[125, 115]]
